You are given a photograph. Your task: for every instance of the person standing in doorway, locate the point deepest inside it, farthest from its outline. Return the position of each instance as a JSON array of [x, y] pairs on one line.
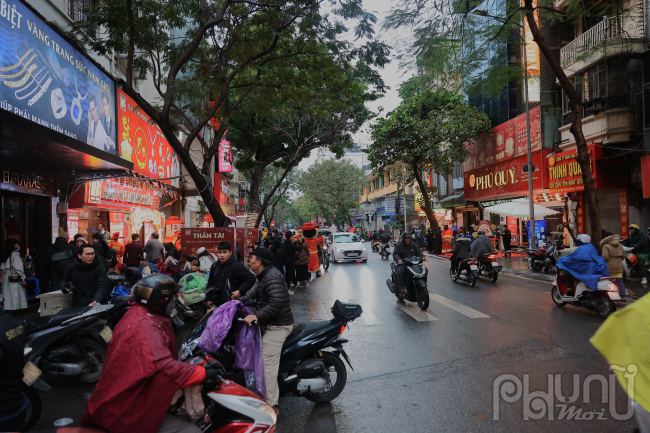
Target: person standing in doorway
[[507, 239], [105, 234], [13, 277], [154, 248], [133, 251]]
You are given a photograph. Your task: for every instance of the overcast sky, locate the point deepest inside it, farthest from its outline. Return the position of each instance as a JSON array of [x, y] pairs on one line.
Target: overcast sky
[[391, 74]]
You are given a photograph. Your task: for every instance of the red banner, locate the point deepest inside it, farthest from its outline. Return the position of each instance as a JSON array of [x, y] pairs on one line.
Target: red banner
[[505, 178], [142, 142], [209, 237], [565, 174], [240, 238], [580, 213], [508, 140], [645, 176], [110, 194], [514, 230], [624, 213]]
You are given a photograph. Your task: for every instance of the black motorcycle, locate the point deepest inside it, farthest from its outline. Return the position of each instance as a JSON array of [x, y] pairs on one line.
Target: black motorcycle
[[72, 343], [488, 267], [416, 282], [375, 245], [310, 364], [552, 255], [31, 383], [383, 250], [467, 271]]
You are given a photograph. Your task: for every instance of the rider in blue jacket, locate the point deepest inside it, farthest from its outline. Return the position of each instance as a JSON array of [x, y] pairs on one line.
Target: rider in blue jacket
[[584, 264]]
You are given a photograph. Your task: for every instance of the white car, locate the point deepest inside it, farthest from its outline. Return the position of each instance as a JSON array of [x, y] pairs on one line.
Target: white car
[[347, 247]]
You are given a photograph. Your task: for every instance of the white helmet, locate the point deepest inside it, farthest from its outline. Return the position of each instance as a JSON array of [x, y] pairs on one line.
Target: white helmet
[[200, 250], [584, 238]]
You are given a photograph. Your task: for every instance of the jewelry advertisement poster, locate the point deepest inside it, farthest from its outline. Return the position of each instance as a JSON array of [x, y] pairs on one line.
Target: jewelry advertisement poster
[[46, 80]]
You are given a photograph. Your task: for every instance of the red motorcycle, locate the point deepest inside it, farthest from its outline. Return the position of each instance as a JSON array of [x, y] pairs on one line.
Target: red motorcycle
[[537, 259]]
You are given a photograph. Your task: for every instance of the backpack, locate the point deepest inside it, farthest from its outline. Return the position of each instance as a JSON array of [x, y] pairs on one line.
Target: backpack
[[61, 261], [281, 254]]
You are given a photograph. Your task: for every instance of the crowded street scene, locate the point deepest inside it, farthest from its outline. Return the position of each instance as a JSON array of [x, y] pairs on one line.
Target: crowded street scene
[[324, 216]]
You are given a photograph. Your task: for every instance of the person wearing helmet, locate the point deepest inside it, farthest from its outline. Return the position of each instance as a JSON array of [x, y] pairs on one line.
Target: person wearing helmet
[[482, 245], [639, 242], [206, 259], [405, 248], [141, 372], [584, 264], [461, 251], [13, 404]]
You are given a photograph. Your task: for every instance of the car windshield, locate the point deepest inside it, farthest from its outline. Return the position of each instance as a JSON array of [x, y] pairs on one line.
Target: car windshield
[[346, 239]]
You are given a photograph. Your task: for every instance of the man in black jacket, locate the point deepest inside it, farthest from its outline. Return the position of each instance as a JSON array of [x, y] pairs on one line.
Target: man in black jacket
[[290, 261], [227, 268], [404, 249], [278, 250], [88, 276], [53, 261], [461, 251], [274, 311]]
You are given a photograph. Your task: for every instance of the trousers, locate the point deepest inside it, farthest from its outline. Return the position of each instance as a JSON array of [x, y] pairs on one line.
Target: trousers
[[272, 342], [172, 424], [400, 270]]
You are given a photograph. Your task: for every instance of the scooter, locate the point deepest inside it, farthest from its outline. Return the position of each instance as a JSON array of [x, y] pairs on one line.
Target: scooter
[[72, 343], [193, 295], [375, 245], [537, 259], [604, 300], [416, 282], [307, 369], [383, 251], [467, 271], [489, 267], [630, 269], [553, 255]]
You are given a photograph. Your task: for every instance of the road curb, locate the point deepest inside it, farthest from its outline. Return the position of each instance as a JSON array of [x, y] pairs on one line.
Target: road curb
[[524, 274]]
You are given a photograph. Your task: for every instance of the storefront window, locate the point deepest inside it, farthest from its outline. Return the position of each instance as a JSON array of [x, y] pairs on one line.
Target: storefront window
[[26, 219], [11, 218]]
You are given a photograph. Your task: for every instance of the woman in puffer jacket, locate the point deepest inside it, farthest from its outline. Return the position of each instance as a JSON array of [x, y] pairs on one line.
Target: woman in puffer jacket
[[302, 271], [614, 254]]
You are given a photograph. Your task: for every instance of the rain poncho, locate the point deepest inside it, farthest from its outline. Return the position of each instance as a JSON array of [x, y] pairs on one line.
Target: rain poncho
[[585, 264], [192, 286], [248, 343], [623, 341]]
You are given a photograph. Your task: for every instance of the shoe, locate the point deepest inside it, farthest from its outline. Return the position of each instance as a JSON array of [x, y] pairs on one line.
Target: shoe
[[318, 274], [303, 285], [644, 281]]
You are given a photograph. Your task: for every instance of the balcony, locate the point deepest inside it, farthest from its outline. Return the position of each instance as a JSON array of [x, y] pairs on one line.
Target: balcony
[[610, 37], [616, 125]]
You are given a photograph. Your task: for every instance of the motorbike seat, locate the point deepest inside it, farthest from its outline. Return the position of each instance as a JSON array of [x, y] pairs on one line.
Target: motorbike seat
[[80, 430], [39, 323], [301, 331]]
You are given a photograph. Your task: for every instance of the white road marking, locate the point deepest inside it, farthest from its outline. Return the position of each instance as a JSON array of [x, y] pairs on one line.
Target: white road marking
[[462, 309], [412, 310]]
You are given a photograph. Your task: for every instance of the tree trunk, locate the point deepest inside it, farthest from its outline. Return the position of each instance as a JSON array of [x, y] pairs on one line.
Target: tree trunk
[[428, 210], [576, 127]]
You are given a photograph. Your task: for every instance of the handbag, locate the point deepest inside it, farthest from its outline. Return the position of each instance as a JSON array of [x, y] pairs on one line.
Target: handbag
[[14, 277]]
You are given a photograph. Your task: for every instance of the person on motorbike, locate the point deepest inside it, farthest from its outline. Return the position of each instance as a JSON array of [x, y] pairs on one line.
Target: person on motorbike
[[231, 270], [13, 404], [639, 242], [482, 245], [404, 249], [384, 239], [141, 372], [584, 264], [461, 251], [273, 311]]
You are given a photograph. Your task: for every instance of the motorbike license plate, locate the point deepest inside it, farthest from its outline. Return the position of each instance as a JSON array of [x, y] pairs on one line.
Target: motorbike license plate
[[352, 254], [614, 296], [473, 267], [181, 300], [173, 313], [495, 264], [30, 373], [107, 334]]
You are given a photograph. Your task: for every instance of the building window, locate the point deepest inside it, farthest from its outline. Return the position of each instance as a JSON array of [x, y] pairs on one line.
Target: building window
[[77, 9], [381, 179]]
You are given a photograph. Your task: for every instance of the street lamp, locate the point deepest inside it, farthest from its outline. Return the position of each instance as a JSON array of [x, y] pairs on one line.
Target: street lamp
[[531, 205]]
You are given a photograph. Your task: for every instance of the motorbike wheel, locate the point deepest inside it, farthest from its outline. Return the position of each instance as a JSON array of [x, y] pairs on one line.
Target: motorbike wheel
[[471, 279], [452, 275], [536, 265], [494, 275], [97, 352], [423, 299], [334, 365], [199, 309], [326, 262], [35, 406], [604, 306], [557, 297], [547, 269]]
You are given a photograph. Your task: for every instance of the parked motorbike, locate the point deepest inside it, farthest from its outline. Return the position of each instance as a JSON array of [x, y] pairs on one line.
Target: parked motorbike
[[307, 369], [537, 259], [383, 251], [552, 255], [323, 256], [604, 300], [467, 271], [32, 383], [191, 289], [489, 267], [72, 343], [416, 282]]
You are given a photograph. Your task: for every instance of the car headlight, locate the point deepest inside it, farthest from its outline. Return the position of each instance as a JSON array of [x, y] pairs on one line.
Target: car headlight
[[363, 249], [187, 349], [338, 250]]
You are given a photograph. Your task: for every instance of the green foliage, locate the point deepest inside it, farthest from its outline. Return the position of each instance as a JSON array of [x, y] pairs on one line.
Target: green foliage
[[331, 189]]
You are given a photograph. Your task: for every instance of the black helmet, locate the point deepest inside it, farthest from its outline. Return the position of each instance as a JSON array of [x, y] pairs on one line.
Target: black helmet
[[155, 290], [406, 235], [132, 275]]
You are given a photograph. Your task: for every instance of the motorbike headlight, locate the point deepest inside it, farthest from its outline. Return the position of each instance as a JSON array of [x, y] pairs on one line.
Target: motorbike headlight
[[187, 348]]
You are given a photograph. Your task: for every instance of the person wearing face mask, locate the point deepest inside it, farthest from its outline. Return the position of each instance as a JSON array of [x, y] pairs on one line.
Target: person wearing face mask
[[228, 269], [13, 277]]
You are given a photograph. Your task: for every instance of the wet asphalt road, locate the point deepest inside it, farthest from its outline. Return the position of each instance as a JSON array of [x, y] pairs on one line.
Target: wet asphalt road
[[436, 371]]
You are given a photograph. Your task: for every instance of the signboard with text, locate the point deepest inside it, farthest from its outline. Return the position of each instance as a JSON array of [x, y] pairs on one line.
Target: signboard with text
[[142, 142], [48, 81], [209, 237], [240, 238], [564, 172], [225, 156], [252, 235], [110, 194]]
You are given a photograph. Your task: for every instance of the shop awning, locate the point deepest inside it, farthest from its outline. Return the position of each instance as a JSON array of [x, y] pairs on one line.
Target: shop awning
[[520, 209], [453, 201], [24, 141]]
